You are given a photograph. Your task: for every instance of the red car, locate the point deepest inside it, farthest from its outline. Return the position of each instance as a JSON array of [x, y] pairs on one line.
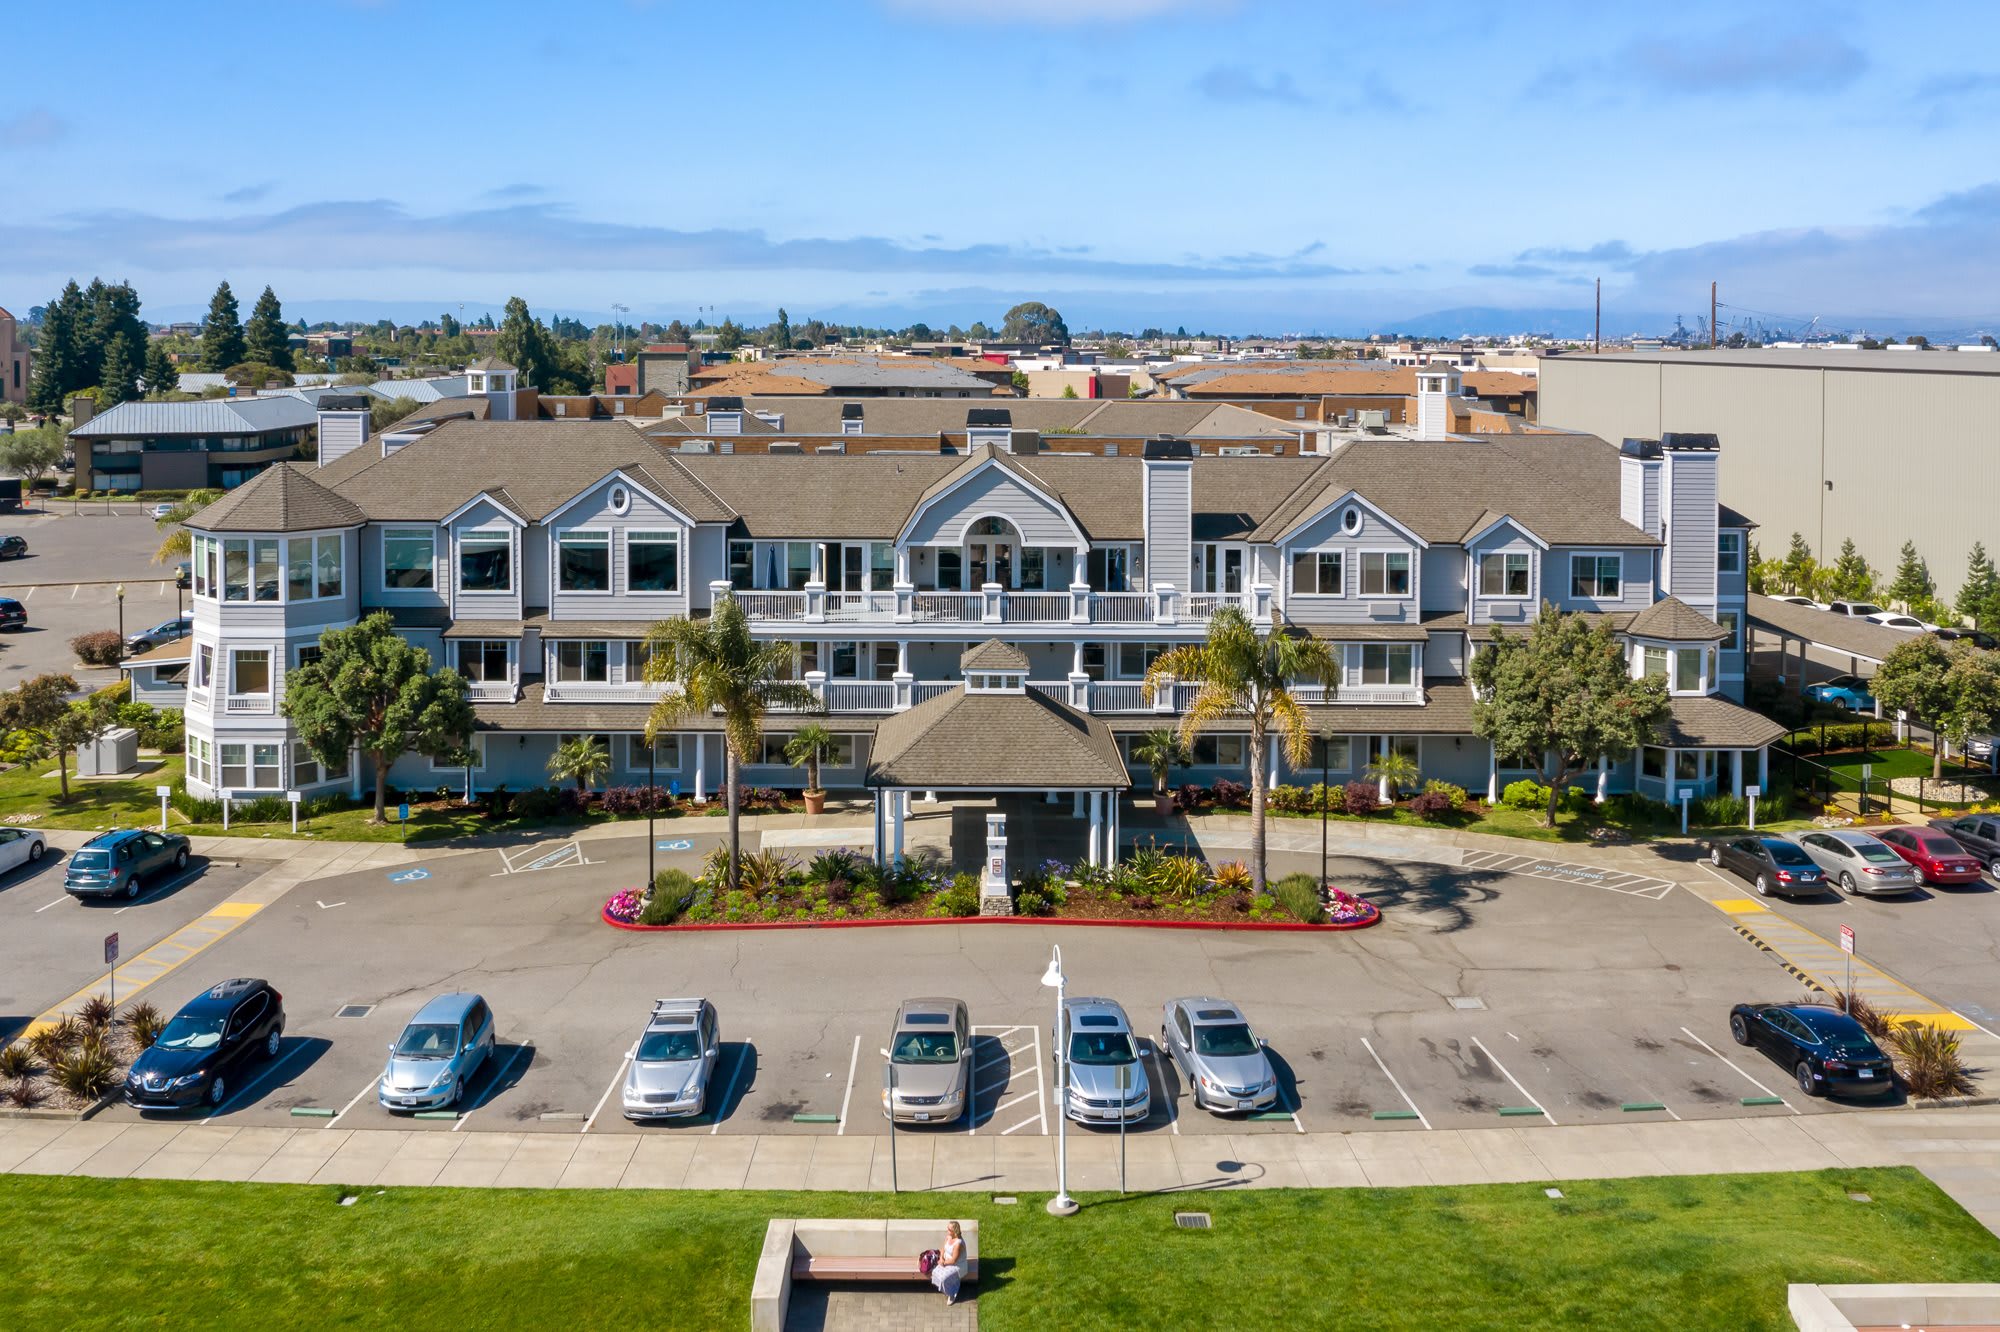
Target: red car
[[1938, 858]]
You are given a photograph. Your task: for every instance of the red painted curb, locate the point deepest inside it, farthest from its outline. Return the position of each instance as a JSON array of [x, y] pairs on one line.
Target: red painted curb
[[1292, 926]]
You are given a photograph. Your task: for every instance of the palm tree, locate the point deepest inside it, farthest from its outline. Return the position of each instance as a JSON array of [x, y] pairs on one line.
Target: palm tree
[[1160, 750], [808, 745], [176, 545], [580, 759], [1247, 675], [1394, 770], [719, 667]]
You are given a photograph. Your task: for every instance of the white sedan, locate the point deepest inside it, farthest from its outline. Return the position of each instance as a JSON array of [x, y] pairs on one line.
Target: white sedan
[[18, 847]]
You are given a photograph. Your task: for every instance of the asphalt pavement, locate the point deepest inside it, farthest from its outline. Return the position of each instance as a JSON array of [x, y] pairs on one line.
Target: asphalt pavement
[[68, 581]]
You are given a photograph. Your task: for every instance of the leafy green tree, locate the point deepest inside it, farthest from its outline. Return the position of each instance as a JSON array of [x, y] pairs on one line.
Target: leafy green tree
[[118, 379], [1850, 578], [374, 691], [1034, 322], [58, 358], [582, 759], [1246, 680], [55, 727], [162, 376], [1069, 391], [527, 345], [979, 332], [385, 412], [31, 454], [222, 342], [1562, 696], [808, 746], [1019, 381], [1913, 581], [1954, 689], [265, 337], [112, 314], [447, 326], [780, 333], [1765, 575], [256, 374], [1800, 570], [714, 665], [676, 332], [728, 335], [176, 543], [1979, 595]]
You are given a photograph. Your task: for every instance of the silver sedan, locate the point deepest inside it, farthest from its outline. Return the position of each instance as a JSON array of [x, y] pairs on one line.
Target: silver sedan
[[1224, 1062], [1860, 863]]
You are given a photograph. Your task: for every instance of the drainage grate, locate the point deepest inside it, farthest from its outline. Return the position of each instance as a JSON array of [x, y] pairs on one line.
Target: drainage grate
[[354, 1010], [1191, 1220], [1466, 1001]]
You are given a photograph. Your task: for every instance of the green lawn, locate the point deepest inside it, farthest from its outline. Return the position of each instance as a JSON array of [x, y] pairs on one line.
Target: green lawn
[[1705, 1251]]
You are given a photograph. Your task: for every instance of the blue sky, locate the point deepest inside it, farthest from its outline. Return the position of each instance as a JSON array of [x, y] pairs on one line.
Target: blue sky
[[1232, 166]]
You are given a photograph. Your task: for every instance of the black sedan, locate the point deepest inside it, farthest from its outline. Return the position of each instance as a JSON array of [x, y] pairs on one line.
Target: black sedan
[[13, 547], [1771, 864], [198, 1053], [1827, 1051]]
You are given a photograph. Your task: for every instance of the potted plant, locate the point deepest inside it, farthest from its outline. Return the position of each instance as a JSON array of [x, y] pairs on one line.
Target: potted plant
[[808, 745], [1160, 750]]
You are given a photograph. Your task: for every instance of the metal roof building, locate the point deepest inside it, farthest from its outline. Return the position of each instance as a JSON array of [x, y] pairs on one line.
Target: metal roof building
[[1880, 446]]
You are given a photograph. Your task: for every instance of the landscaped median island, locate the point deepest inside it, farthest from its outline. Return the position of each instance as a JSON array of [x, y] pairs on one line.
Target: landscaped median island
[[1709, 1251], [1150, 886]]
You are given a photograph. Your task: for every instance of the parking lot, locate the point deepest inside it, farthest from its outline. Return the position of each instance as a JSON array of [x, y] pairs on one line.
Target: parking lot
[[1487, 997], [68, 581]]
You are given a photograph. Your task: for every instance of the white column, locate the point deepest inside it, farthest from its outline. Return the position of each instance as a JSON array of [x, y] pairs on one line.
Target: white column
[[902, 656], [1492, 773], [1111, 824], [896, 827], [1382, 787], [701, 767], [1764, 770], [1096, 825], [881, 832], [1076, 658], [1052, 797], [1736, 770], [1076, 805], [1603, 778]]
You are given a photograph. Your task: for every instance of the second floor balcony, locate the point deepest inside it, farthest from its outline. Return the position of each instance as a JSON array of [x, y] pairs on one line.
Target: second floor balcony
[[994, 603]]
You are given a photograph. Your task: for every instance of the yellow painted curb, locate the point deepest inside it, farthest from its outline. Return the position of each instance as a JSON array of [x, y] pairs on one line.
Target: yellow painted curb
[[1738, 906], [235, 910]]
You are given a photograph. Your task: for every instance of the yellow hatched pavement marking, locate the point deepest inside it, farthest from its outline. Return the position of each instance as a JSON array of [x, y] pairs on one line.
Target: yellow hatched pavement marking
[[142, 969], [1738, 906]]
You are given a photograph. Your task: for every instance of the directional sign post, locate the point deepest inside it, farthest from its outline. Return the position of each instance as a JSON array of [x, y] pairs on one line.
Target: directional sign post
[[1686, 796], [1753, 792], [403, 815], [227, 796], [163, 792], [293, 797], [111, 965]]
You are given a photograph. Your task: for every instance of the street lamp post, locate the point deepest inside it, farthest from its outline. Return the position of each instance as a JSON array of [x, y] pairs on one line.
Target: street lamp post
[[121, 616], [652, 798], [1062, 1204], [1325, 799]]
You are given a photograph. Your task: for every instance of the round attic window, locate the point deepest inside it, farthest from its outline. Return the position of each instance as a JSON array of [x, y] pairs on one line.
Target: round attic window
[[1350, 521], [621, 499]]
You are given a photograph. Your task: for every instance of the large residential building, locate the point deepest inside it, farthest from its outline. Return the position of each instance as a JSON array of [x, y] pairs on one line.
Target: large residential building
[[1485, 401], [17, 363], [216, 443], [1812, 432], [928, 595], [854, 376]]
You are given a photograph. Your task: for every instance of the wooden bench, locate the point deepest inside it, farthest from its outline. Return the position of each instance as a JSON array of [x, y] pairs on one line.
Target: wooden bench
[[835, 1250]]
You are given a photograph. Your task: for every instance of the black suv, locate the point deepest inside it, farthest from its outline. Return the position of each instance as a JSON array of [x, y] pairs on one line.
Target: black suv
[[13, 547], [1977, 833], [13, 615], [195, 1054]]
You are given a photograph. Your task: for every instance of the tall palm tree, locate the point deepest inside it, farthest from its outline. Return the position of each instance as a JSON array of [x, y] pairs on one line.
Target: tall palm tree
[[719, 667], [1247, 675], [583, 760], [176, 544]]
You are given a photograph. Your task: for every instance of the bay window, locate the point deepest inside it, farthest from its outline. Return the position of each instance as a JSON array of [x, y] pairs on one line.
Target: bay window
[[236, 570], [652, 561], [312, 568], [1687, 670], [583, 562], [264, 568]]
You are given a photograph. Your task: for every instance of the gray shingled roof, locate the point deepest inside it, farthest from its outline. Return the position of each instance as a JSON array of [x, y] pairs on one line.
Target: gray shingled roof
[[993, 655], [1672, 619], [995, 742], [283, 498], [1447, 710], [1717, 723], [210, 416]]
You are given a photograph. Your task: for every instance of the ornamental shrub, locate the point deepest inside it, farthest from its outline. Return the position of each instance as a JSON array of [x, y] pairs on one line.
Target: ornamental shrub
[[1189, 798], [673, 892], [1299, 895], [1525, 794], [1431, 805], [1360, 798], [1450, 791], [1230, 795], [100, 648]]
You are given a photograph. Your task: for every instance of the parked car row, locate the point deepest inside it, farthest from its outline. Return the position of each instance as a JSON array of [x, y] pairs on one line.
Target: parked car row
[[1948, 853], [1888, 619]]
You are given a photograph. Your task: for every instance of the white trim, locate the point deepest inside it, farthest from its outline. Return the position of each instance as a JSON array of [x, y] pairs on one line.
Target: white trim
[[1354, 497], [1507, 520], [1291, 573], [1361, 573], [382, 557], [584, 536], [1479, 575], [485, 496], [1570, 593], [617, 474], [993, 461]]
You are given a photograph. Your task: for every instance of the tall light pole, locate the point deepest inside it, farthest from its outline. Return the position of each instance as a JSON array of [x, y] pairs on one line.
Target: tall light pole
[[652, 798], [1062, 1204], [121, 617], [1325, 799]]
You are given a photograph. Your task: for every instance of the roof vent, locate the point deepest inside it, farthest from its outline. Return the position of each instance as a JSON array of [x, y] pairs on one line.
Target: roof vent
[[831, 448], [1164, 447]]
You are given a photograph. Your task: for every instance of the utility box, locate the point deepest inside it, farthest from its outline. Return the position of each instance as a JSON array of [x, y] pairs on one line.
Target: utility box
[[113, 752]]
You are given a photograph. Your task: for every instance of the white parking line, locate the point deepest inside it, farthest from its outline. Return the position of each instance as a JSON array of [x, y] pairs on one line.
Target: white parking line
[[495, 1087], [616, 1078], [58, 902], [852, 1061], [1393, 1083], [721, 1107], [372, 1084], [1516, 1081], [186, 876], [1739, 1068], [1016, 1100], [1029, 1050], [28, 595], [74, 587], [230, 1104]]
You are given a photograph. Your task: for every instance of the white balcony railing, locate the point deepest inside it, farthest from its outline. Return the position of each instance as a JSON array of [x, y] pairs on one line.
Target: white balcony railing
[[924, 690], [1121, 607], [1055, 689], [1204, 605], [950, 607], [993, 604], [1118, 696], [860, 696], [849, 606], [247, 703], [491, 691], [597, 691], [772, 605], [1035, 607]]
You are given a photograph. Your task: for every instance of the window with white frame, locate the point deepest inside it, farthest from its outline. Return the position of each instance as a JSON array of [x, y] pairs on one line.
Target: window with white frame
[[653, 561], [1729, 552], [1653, 663], [1388, 663], [583, 562], [250, 671], [1687, 765], [409, 557], [582, 662], [200, 759], [250, 569], [638, 656], [1219, 751], [1406, 745], [1687, 670], [1110, 568], [477, 744], [666, 753], [1385, 573], [305, 768], [313, 568], [743, 565], [308, 654], [204, 666], [486, 562], [484, 660], [251, 767], [1339, 753], [1599, 577], [1731, 621], [233, 767], [840, 754], [1504, 574], [1135, 659], [1319, 573]]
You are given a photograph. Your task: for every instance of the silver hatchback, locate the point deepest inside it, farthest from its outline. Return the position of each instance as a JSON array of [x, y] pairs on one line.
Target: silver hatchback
[[930, 1062], [438, 1054], [1225, 1064], [674, 1061], [1860, 863]]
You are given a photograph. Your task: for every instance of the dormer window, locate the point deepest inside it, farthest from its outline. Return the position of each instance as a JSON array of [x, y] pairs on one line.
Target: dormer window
[[996, 682]]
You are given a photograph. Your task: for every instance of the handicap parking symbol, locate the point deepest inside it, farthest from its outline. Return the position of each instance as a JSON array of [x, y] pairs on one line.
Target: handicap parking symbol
[[682, 845], [408, 875]]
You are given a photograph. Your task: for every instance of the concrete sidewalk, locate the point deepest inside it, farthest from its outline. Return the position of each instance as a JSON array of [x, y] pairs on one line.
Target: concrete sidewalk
[[1959, 1149]]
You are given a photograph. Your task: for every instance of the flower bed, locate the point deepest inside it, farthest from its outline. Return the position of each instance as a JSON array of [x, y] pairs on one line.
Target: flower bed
[[79, 1061], [840, 888]]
